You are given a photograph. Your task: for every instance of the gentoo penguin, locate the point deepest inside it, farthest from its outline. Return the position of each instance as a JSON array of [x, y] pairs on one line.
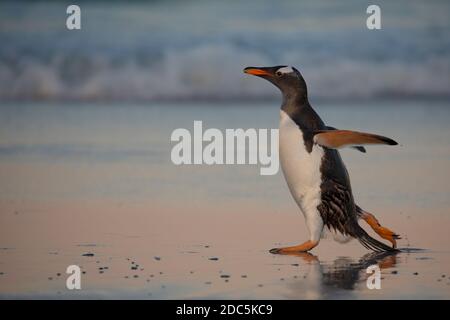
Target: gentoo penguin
[[313, 168]]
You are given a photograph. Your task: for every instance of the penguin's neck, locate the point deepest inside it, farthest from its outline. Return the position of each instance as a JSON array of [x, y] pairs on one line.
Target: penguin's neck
[[294, 97], [298, 108]]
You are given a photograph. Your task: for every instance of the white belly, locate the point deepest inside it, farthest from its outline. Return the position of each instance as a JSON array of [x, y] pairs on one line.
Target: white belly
[[301, 170]]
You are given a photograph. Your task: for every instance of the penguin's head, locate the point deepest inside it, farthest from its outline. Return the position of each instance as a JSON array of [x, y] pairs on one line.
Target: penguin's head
[[288, 79]]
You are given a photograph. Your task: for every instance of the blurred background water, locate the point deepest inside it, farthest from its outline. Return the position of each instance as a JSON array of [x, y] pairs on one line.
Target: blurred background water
[[147, 50], [85, 124]]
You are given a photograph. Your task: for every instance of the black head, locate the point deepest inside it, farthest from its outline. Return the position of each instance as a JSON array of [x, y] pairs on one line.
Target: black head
[[288, 79]]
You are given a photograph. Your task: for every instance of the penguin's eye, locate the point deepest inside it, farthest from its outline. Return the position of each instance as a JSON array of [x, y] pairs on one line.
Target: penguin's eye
[[279, 73]]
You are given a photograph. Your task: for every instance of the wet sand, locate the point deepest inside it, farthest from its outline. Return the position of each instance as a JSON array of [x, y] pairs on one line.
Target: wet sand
[[93, 185]]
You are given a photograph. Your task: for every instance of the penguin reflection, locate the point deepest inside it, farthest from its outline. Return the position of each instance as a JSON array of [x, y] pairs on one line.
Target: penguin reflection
[[322, 281]]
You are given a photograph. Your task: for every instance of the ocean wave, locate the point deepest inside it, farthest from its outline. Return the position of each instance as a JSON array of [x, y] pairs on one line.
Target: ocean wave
[[150, 51], [212, 72]]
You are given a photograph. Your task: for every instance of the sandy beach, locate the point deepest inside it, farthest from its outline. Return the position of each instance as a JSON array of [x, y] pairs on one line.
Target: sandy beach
[[93, 185]]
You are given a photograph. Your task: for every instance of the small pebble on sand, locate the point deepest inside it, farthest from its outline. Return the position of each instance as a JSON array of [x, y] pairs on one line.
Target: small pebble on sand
[[157, 258], [213, 259], [224, 276], [89, 254]]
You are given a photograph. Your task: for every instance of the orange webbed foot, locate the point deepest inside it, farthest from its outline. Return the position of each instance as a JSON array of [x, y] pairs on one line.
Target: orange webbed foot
[[304, 247]]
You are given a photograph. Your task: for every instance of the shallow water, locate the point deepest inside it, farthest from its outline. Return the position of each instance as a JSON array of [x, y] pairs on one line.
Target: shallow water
[[98, 179]]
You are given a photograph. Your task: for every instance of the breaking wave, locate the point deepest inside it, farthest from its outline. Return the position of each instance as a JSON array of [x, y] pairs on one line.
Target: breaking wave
[[123, 61]]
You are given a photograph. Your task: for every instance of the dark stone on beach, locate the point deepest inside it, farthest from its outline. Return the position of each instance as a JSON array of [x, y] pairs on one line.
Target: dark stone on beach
[[213, 259], [151, 276], [84, 272], [206, 246], [58, 274], [133, 268], [208, 282], [415, 273], [281, 279], [244, 276], [50, 278], [135, 276], [443, 276], [101, 271], [295, 264], [226, 280], [260, 285], [89, 254], [2, 273], [394, 272], [161, 272], [157, 258], [224, 276]]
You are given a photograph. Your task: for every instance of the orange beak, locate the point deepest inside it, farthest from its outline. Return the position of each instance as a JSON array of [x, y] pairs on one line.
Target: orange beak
[[256, 71]]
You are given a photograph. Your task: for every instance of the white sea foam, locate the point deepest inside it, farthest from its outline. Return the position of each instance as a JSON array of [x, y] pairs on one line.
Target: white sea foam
[[146, 52]]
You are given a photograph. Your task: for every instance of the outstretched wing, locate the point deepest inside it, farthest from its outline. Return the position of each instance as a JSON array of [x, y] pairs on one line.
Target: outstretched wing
[[335, 139], [359, 148]]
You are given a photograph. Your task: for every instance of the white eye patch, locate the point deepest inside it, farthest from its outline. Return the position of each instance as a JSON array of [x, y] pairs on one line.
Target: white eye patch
[[285, 70]]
